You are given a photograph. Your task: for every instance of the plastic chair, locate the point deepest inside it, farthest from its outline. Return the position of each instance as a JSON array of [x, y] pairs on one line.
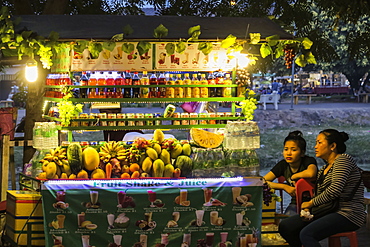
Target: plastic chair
[[281, 179], [334, 240], [303, 185]]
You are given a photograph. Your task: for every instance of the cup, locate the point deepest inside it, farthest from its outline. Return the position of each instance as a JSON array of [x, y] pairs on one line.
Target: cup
[[61, 218], [85, 240], [121, 197], [199, 214], [207, 195], [250, 238], [183, 196], [243, 242], [144, 240], [58, 240], [110, 218], [239, 219], [176, 216], [61, 196], [236, 192], [213, 216], [252, 244], [164, 239], [80, 218], [117, 239], [210, 236], [186, 238], [223, 236], [94, 197]]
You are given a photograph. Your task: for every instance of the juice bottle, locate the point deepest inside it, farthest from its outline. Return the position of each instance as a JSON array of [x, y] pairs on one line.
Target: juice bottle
[[162, 81], [203, 90], [110, 78], [153, 90], [119, 93], [219, 81], [136, 81], [92, 80], [128, 82], [118, 80], [211, 81], [226, 91], [84, 81], [170, 91], [179, 91], [101, 79], [187, 90], [195, 91], [144, 80]]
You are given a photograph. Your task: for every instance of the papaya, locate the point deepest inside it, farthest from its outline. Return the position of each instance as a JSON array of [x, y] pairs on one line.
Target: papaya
[[168, 171], [205, 138], [176, 151], [98, 173], [90, 158], [157, 148], [185, 164], [186, 149], [74, 155], [51, 170], [152, 153], [165, 156], [158, 168], [158, 136], [147, 165]]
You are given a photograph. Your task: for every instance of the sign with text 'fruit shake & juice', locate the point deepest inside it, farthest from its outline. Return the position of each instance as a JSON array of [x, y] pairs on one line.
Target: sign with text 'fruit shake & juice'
[[217, 212]]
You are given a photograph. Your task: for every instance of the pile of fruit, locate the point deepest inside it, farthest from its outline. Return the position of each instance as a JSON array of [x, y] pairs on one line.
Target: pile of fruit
[[158, 157]]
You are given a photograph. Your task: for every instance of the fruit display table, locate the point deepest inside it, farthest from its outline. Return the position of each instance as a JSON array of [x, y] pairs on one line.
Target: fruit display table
[[153, 212]]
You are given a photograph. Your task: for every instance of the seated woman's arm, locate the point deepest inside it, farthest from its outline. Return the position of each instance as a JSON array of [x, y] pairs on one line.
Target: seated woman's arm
[[310, 172], [270, 176]]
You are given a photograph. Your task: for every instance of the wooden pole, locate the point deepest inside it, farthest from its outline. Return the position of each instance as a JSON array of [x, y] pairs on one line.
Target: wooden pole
[[4, 171]]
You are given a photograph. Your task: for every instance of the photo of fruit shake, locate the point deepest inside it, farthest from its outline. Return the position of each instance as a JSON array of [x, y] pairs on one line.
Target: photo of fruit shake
[[110, 218], [223, 236], [144, 240], [207, 196], [199, 214], [80, 218], [61, 196], [121, 197], [210, 236], [183, 196], [152, 196], [94, 197], [236, 192], [164, 239], [61, 218], [117, 239], [85, 240], [239, 219], [186, 240], [213, 216], [243, 242]]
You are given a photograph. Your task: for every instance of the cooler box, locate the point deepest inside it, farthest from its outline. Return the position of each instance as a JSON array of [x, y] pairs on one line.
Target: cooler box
[[22, 207], [268, 212]]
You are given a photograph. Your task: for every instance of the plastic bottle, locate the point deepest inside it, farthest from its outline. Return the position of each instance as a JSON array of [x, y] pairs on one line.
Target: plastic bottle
[[162, 80], [170, 91], [187, 90], [153, 90], [110, 78], [101, 79], [219, 81], [195, 91], [84, 81], [128, 82], [226, 91], [179, 91], [211, 81], [92, 80], [204, 93], [144, 80], [136, 81]]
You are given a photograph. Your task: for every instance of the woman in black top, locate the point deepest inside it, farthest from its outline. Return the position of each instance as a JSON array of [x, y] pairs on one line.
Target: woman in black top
[[339, 178], [294, 166]]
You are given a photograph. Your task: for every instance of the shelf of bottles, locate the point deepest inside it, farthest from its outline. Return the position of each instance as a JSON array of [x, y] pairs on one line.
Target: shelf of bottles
[[121, 87]]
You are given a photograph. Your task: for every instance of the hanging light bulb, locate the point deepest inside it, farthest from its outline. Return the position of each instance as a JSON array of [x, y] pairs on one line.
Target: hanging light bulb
[[31, 72]]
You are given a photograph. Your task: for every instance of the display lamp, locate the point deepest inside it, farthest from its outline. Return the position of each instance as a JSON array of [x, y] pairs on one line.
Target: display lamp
[[31, 72]]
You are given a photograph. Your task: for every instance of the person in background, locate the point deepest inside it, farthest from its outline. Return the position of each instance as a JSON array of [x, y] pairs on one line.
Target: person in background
[[275, 86], [294, 166], [340, 177]]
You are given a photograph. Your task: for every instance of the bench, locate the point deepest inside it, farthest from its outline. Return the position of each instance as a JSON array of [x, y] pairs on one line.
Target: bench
[[363, 97], [308, 98], [269, 99]]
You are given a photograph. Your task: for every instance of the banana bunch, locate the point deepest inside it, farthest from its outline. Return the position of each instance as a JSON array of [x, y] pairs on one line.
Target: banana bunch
[[112, 150], [56, 155]]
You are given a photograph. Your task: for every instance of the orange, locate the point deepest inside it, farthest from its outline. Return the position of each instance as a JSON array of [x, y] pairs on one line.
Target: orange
[[125, 175], [134, 167], [135, 174]]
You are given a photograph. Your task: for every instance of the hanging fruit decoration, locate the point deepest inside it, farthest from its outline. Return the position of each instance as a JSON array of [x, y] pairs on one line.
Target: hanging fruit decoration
[[289, 55]]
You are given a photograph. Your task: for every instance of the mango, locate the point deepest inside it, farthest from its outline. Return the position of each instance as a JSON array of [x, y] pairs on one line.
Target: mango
[[176, 151], [82, 174], [152, 153], [186, 149], [51, 170], [64, 176], [158, 136], [157, 148], [147, 165], [72, 176], [168, 171], [165, 156], [67, 169], [90, 158], [42, 175], [158, 168], [98, 173]]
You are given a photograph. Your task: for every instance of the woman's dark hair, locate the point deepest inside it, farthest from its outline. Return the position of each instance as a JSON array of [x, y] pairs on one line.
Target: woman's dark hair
[[339, 138], [297, 137]]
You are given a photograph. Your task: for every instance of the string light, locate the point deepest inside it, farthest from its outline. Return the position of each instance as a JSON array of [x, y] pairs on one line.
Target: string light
[[31, 72]]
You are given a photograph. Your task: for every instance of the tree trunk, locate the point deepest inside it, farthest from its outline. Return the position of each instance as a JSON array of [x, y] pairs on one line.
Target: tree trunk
[[33, 110], [23, 7], [55, 7]]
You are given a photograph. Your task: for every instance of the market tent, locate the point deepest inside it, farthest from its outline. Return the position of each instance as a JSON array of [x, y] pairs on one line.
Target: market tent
[[105, 26]]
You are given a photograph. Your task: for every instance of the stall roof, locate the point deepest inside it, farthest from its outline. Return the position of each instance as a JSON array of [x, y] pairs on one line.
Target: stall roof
[[105, 26]]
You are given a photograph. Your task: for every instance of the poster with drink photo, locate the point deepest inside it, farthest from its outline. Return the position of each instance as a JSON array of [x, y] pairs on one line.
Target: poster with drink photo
[[124, 56], [153, 212]]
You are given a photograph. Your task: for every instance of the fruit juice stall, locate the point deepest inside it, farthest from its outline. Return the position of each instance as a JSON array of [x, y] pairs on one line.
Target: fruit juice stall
[[151, 191]]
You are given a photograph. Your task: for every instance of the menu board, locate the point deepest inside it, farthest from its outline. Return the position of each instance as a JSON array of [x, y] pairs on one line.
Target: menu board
[[153, 212]]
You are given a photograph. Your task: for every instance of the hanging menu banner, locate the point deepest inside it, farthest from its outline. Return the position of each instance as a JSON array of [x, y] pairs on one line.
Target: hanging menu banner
[[125, 56], [153, 212]]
